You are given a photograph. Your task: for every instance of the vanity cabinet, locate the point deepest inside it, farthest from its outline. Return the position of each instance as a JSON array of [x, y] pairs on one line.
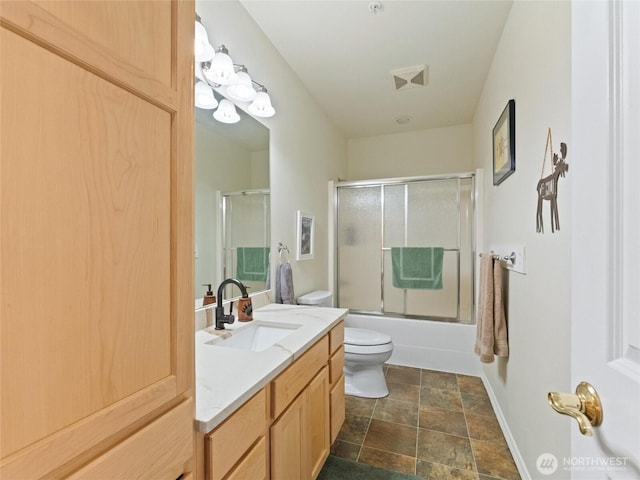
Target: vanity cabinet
[[96, 352], [285, 430], [301, 436]]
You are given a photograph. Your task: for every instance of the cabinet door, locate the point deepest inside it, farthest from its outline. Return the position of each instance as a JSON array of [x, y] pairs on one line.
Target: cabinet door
[[95, 226], [338, 401], [300, 437], [288, 451], [317, 422]]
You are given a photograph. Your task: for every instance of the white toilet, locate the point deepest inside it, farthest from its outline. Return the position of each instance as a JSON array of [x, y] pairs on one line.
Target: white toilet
[[365, 352]]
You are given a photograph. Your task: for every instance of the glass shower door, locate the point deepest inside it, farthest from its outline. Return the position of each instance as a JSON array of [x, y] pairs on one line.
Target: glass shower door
[[423, 214], [359, 247], [429, 212]]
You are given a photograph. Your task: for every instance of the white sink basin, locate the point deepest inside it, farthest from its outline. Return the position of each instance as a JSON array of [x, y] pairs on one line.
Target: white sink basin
[[255, 337]]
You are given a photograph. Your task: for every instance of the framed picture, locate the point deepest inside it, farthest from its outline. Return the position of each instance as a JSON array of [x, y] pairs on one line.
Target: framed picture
[[504, 144], [305, 224]]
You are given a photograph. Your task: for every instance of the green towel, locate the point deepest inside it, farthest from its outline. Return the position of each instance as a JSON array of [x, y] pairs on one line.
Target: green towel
[[252, 263], [417, 267]]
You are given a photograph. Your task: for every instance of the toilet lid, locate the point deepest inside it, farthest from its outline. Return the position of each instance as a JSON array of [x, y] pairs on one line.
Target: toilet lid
[[364, 337]]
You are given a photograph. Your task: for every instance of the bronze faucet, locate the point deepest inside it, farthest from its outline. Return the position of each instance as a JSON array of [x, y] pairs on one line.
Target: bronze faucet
[[221, 318]]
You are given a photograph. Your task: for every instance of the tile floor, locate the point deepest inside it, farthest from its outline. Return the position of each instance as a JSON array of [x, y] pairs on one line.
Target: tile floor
[[435, 425]]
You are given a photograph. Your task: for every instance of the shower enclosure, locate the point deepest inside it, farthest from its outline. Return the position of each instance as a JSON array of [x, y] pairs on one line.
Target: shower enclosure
[[375, 216], [246, 233]]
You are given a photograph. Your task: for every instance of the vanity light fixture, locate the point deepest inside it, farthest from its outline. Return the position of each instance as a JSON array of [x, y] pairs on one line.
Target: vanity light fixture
[[261, 106], [220, 70], [242, 90], [226, 112], [203, 50], [215, 70], [204, 97]]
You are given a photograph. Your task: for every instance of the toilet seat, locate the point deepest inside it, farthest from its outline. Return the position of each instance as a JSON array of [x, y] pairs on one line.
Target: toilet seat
[[362, 341], [368, 349]]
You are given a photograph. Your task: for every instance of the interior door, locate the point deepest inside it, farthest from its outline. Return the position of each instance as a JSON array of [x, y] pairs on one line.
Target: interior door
[[96, 261], [606, 236]]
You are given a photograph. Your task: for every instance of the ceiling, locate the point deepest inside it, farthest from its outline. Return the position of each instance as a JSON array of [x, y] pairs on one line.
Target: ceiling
[[344, 53]]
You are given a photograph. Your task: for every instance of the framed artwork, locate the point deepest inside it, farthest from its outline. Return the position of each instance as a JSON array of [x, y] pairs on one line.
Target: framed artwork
[[306, 224], [504, 144]]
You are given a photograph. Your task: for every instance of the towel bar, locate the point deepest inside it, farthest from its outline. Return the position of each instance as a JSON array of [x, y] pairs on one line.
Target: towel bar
[[505, 258]]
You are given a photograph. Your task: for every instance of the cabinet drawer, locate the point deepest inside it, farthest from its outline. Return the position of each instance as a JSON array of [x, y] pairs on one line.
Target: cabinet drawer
[[159, 450], [336, 365], [336, 337], [229, 442], [337, 401], [254, 465], [292, 381]]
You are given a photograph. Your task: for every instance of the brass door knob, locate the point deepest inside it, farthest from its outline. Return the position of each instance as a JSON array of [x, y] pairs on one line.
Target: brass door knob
[[584, 406]]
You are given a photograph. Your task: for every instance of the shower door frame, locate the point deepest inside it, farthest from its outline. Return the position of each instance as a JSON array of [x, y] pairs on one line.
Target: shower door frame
[[406, 181]]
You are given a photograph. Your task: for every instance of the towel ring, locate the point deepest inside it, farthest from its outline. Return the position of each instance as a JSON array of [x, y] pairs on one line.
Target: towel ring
[[281, 247]]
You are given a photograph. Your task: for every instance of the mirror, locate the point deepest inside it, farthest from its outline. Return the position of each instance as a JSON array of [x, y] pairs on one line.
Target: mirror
[[232, 207]]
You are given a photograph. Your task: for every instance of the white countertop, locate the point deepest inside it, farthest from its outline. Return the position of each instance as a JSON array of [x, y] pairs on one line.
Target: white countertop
[[227, 377]]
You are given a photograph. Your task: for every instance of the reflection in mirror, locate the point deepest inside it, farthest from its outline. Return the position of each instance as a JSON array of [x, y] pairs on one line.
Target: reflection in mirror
[[229, 158], [245, 220]]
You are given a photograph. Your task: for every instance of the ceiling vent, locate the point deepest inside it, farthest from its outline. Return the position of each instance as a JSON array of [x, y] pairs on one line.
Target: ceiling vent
[[410, 77]]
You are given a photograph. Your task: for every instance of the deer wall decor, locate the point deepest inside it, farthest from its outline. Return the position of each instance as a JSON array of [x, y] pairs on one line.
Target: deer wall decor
[[548, 186]]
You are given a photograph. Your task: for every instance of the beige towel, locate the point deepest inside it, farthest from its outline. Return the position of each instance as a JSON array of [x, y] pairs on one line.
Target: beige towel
[[491, 328]]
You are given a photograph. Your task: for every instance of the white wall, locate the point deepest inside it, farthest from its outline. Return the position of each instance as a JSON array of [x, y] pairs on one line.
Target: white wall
[[533, 66], [260, 169], [306, 150], [421, 152]]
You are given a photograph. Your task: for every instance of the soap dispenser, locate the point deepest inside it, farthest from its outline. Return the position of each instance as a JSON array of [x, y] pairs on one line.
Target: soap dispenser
[[245, 309], [209, 297]]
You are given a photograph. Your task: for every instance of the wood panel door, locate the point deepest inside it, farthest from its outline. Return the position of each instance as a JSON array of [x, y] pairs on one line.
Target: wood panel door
[[96, 263]]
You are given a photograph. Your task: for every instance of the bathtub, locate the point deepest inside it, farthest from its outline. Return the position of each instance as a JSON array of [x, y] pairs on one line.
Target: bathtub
[[425, 344]]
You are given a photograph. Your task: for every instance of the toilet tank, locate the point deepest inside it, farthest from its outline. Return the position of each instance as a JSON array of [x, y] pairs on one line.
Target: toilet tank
[[318, 298]]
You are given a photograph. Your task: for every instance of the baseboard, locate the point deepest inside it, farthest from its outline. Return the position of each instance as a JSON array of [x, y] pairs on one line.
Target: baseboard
[[508, 436]]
